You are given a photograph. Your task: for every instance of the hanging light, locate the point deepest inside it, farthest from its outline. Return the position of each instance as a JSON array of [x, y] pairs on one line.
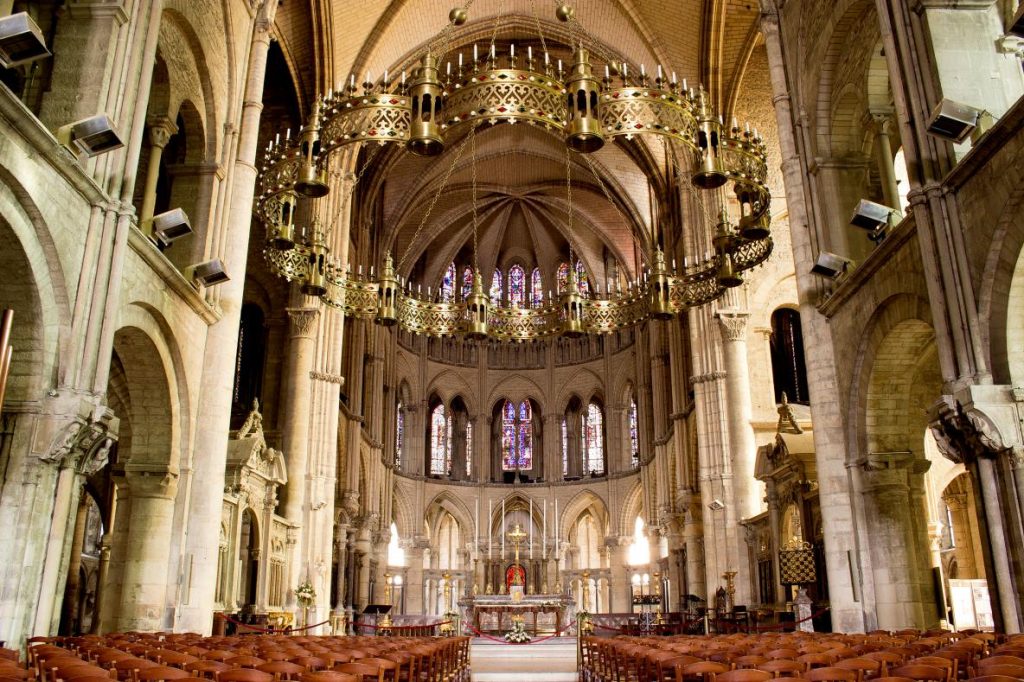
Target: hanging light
[[315, 283], [583, 92], [387, 294], [427, 100], [312, 180], [710, 173], [661, 288], [283, 236], [572, 307], [476, 309]]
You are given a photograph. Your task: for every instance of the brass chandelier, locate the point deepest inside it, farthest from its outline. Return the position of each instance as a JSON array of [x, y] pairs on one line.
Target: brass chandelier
[[429, 110]]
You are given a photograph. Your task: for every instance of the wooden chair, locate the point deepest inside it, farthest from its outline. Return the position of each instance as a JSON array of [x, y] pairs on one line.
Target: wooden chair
[[816, 660], [283, 670], [706, 670], [244, 675], [748, 661], [994, 678], [245, 662], [160, 673], [328, 676], [950, 666], [1003, 669], [789, 654], [744, 675], [311, 663], [830, 674], [362, 672], [864, 667], [919, 671], [780, 667], [888, 660]]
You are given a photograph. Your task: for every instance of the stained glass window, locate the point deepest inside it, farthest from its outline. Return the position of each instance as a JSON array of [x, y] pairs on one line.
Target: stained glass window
[[525, 435], [496, 288], [634, 436], [399, 434], [565, 448], [516, 436], [563, 276], [448, 284], [508, 436], [516, 286], [536, 289], [581, 278], [593, 440], [439, 440], [469, 449], [467, 282]]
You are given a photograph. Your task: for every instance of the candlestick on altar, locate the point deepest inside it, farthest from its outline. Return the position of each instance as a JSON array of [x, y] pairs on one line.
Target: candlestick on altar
[[544, 542], [490, 517], [531, 530], [476, 526], [556, 528], [503, 529]]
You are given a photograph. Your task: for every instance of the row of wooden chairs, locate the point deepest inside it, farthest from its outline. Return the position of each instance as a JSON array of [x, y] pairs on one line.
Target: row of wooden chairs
[[138, 657], [934, 656]]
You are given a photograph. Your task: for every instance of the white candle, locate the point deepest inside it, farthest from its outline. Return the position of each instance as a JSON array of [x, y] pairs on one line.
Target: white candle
[[503, 529], [492, 50], [490, 515], [512, 47], [476, 529], [544, 546], [529, 52], [531, 529], [476, 56], [556, 528]]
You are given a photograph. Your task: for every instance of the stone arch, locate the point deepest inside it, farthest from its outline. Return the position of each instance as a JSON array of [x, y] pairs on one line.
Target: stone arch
[[632, 507], [1001, 298], [516, 388], [449, 384], [450, 502], [403, 514], [582, 384], [581, 503], [152, 415]]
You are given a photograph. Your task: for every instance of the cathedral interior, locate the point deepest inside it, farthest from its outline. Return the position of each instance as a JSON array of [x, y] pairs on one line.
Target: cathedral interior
[[709, 306]]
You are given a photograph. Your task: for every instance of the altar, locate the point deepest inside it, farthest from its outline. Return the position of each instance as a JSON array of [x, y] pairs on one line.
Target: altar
[[541, 613]]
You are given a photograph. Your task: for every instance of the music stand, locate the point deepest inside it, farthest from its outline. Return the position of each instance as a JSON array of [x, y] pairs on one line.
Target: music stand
[[377, 610]]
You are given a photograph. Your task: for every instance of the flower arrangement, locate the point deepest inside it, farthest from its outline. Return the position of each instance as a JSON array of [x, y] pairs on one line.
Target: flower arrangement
[[518, 633], [305, 594]]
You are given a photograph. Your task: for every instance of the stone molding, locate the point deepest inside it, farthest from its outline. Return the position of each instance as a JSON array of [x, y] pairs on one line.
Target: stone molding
[[710, 376], [733, 324], [161, 130], [85, 442], [327, 377]]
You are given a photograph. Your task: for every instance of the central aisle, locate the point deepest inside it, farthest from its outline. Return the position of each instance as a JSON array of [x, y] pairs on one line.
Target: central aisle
[[553, 660]]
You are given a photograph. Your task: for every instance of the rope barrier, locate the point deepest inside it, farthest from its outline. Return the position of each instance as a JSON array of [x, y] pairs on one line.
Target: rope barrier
[[400, 627], [271, 629], [557, 633], [781, 626]]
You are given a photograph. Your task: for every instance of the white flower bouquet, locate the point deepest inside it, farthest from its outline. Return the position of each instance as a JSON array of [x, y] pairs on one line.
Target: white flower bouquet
[[518, 633], [305, 594]]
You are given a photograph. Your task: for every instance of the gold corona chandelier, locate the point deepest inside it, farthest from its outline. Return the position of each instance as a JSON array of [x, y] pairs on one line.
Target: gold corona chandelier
[[431, 109]]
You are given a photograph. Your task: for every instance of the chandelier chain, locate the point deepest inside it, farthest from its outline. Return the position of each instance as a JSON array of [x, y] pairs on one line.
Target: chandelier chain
[[433, 202], [540, 31], [608, 195], [568, 198], [337, 174], [476, 244], [446, 35]]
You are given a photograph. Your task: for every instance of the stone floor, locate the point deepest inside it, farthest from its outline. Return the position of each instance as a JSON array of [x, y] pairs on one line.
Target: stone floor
[[553, 660]]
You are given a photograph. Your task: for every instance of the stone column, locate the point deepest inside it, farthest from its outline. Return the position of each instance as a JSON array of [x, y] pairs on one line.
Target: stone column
[[553, 446], [886, 489], [746, 489], [73, 585], [214, 390], [295, 407], [884, 157], [160, 132], [101, 583], [414, 577], [144, 584], [341, 549], [618, 585], [63, 506]]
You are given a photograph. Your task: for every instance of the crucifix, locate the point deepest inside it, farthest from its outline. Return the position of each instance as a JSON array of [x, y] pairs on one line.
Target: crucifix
[[516, 537]]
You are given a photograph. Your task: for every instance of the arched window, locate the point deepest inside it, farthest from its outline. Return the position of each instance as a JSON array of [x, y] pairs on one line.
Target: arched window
[[448, 284], [536, 289], [565, 448], [517, 286], [469, 449], [899, 166], [516, 436], [634, 436], [581, 278], [496, 288], [467, 282], [563, 277], [440, 441], [787, 349], [396, 555], [639, 552], [249, 361], [593, 440], [399, 433]]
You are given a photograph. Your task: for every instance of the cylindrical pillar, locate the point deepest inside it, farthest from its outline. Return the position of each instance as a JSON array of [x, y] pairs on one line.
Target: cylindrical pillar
[[733, 326], [160, 132], [295, 408], [886, 169], [74, 583]]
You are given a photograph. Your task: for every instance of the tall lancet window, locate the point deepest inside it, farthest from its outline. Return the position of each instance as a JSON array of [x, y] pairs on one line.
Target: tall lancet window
[[593, 440], [517, 286], [634, 436], [399, 433], [581, 278], [516, 436], [787, 348], [448, 284], [496, 288], [565, 448], [536, 289], [440, 441], [467, 282], [563, 277], [469, 449]]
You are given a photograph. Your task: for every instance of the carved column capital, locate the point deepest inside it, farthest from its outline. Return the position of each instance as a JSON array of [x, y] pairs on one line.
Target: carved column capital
[[160, 131], [303, 321], [733, 324]]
